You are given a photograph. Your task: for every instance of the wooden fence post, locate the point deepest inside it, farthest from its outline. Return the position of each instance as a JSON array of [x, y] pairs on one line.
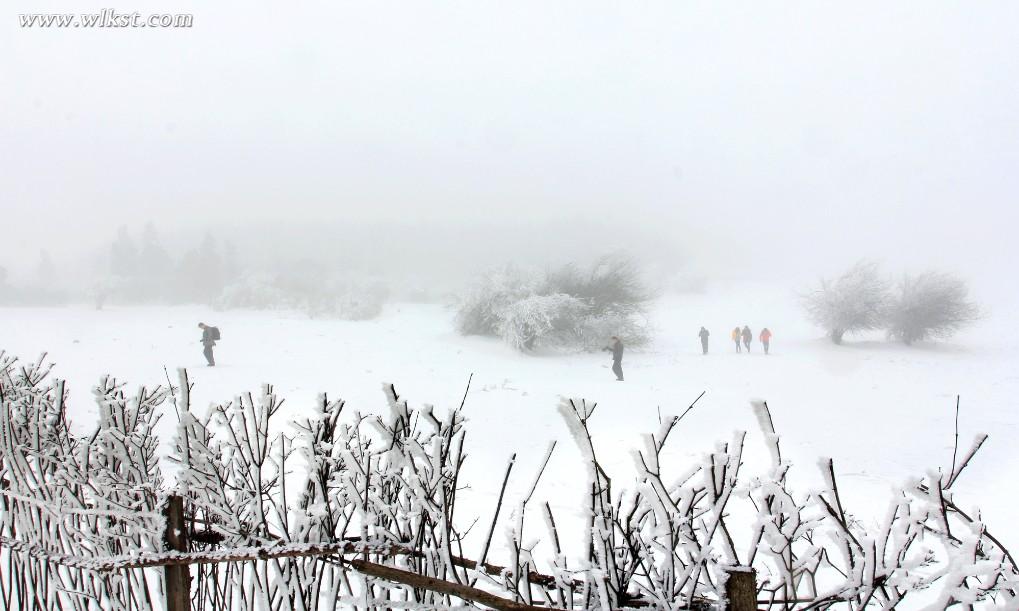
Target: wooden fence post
[[177, 578], [741, 589]]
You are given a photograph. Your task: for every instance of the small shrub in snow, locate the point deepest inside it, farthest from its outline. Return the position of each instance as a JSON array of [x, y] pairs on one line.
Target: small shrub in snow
[[481, 309], [309, 292], [570, 307], [542, 319], [378, 492], [611, 286], [592, 332], [930, 305], [354, 305], [856, 301], [254, 291]]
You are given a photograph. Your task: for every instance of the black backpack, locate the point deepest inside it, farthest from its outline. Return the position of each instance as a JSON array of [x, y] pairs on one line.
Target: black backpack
[[215, 333]]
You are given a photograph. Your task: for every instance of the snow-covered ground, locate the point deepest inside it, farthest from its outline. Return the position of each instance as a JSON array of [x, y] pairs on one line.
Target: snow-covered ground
[[883, 411]]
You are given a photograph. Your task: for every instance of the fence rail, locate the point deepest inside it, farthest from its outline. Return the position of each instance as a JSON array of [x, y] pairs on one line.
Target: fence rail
[[740, 588]]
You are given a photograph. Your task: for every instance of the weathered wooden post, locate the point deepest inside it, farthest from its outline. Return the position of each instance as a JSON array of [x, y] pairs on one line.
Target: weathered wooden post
[[177, 577], [741, 589]]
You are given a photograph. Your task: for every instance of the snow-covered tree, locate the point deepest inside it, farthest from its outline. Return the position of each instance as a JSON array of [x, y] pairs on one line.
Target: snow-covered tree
[[123, 255], [855, 301], [200, 275], [930, 305], [481, 309], [612, 285], [153, 259], [570, 307], [255, 291], [45, 272], [542, 319]]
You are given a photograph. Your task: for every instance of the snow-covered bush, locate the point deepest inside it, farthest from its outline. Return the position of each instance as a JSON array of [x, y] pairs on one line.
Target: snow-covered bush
[[340, 510], [309, 291], [930, 305], [255, 291], [570, 307], [856, 301], [593, 332], [542, 319], [480, 311], [612, 285], [348, 301]]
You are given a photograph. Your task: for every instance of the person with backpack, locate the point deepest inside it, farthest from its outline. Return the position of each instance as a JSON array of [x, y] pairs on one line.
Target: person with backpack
[[748, 337], [735, 337], [616, 347], [704, 339], [765, 338], [209, 337]]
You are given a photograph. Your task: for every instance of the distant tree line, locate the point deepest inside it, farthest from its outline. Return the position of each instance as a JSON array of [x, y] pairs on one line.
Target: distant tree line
[[929, 305], [40, 288], [143, 271]]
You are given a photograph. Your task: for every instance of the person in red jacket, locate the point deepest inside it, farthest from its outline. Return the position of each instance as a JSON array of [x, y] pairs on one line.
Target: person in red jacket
[[765, 339]]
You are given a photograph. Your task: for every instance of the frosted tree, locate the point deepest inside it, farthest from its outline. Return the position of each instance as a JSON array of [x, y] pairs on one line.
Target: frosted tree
[[481, 309], [930, 305], [541, 319], [613, 285], [855, 301], [153, 258], [200, 274], [123, 255], [569, 307], [45, 272]]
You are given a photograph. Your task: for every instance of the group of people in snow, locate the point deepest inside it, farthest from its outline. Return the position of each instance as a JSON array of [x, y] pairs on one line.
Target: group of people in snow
[[210, 335], [744, 335]]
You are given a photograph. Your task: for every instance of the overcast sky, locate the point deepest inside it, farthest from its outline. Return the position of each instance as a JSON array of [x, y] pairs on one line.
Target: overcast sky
[[781, 135]]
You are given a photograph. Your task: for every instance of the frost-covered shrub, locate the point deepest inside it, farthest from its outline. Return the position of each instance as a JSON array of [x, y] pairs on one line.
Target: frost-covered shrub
[[930, 305], [349, 301], [256, 291], [334, 512], [593, 332], [856, 301], [310, 292], [612, 285], [568, 308], [480, 311], [542, 319]]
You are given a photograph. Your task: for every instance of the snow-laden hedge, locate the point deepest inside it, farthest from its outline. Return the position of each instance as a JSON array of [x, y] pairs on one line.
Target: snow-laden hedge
[[380, 492], [318, 297], [568, 308]]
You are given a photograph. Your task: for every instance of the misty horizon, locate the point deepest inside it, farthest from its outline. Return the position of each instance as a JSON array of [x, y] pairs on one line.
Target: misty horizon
[[740, 142]]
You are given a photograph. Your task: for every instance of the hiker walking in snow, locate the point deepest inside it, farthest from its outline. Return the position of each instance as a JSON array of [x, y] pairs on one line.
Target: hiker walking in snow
[[735, 337], [209, 337], [616, 347], [765, 338], [704, 339], [748, 336]]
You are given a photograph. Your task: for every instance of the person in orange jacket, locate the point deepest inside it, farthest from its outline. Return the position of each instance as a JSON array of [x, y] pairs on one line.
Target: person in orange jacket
[[735, 337], [765, 339]]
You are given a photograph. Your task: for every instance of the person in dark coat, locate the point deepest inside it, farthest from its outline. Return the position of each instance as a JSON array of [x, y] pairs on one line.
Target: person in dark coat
[[704, 339], [208, 340], [748, 336], [617, 357]]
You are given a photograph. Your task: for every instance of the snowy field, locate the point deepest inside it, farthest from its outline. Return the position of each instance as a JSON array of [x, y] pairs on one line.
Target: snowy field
[[883, 411]]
